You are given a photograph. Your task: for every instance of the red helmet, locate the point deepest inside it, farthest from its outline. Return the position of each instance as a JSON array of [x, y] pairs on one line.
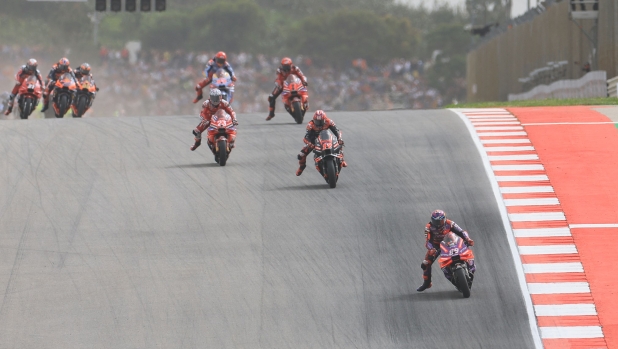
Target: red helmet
[[286, 64], [319, 118], [63, 63], [31, 65], [220, 58]]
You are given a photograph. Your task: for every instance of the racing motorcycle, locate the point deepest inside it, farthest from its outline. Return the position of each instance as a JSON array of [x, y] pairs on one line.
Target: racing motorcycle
[[222, 126], [295, 97], [457, 263], [63, 93], [30, 93], [327, 154], [222, 81], [86, 91]]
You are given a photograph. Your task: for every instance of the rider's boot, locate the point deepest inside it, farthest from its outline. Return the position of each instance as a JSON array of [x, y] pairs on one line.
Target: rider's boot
[[45, 104], [271, 107], [271, 114], [344, 164], [426, 284], [300, 170]]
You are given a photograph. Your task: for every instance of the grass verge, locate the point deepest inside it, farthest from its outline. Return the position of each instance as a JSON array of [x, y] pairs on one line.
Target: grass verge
[[539, 103]]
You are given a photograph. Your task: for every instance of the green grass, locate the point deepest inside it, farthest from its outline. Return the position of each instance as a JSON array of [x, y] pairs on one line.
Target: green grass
[[539, 103]]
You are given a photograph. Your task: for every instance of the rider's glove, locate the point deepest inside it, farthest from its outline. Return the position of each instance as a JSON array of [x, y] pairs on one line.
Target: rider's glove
[[470, 242], [235, 122], [305, 83], [341, 141]]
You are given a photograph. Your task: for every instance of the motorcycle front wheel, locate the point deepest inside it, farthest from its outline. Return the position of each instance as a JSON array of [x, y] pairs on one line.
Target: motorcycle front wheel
[[63, 105], [222, 145], [462, 282], [331, 173], [81, 106], [297, 113], [27, 108]]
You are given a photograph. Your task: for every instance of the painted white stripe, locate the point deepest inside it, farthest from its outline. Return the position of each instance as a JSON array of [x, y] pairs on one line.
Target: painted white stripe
[[501, 134], [547, 249], [531, 202], [513, 157], [565, 310], [524, 190], [572, 332], [541, 232], [576, 226], [496, 122], [495, 112], [506, 141], [524, 148], [571, 123], [532, 178], [499, 128], [558, 287], [540, 268], [537, 216], [491, 117], [537, 167], [519, 270]]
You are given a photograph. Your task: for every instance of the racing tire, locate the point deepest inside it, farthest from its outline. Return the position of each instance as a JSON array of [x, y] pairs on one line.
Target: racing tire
[[27, 108], [222, 145], [462, 282], [63, 105], [81, 107], [331, 173], [297, 113]]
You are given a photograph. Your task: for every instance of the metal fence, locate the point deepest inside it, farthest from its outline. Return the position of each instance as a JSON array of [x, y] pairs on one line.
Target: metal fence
[[509, 60]]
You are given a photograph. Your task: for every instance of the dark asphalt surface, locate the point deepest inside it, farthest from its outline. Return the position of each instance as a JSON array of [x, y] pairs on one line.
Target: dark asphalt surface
[[114, 235]]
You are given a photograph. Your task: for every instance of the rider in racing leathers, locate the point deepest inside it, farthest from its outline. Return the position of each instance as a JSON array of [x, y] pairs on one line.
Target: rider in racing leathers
[[209, 108], [283, 72], [30, 68], [218, 62], [435, 231], [319, 122]]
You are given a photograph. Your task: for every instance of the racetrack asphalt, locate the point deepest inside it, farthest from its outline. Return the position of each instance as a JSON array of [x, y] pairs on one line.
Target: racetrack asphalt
[[113, 234]]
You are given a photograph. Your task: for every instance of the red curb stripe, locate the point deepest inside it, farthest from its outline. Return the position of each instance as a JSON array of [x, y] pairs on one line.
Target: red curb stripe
[[556, 277], [549, 258], [550, 240], [580, 343], [569, 298], [553, 321]]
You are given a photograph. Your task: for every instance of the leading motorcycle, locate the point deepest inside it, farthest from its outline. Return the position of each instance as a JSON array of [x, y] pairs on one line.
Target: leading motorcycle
[[327, 154], [63, 93], [30, 93], [223, 132], [457, 263], [86, 91], [295, 97]]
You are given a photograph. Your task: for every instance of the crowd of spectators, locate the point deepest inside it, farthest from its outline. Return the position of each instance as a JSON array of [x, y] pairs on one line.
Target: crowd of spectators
[[162, 83]]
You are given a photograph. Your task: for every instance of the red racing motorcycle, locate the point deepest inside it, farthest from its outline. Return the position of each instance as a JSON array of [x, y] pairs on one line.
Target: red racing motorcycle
[[327, 154], [457, 262], [30, 93], [295, 97], [223, 134]]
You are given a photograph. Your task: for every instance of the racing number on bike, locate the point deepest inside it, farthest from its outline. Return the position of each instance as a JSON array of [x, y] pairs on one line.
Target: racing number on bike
[[453, 252]]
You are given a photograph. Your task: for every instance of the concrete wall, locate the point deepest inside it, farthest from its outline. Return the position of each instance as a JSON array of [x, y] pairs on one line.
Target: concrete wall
[[494, 67]]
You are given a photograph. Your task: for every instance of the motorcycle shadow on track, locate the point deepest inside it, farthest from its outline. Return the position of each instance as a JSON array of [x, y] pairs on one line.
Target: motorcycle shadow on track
[[214, 164], [426, 296], [304, 187]]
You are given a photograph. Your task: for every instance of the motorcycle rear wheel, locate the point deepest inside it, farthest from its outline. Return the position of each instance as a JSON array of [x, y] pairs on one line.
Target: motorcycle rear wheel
[[331, 173], [297, 113], [222, 145], [462, 282]]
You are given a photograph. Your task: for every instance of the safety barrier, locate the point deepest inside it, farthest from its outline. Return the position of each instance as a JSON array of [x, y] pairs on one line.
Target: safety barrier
[[612, 84], [593, 84]]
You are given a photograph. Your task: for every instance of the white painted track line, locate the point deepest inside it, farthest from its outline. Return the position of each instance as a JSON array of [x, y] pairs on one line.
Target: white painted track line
[[538, 167], [541, 232], [506, 141], [501, 134], [513, 157], [572, 332], [523, 148], [558, 287], [524, 190], [537, 216], [565, 310], [542, 268], [531, 202], [547, 249], [531, 178]]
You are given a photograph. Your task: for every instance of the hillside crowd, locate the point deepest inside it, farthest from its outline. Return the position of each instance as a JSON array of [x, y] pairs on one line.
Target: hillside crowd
[[162, 83]]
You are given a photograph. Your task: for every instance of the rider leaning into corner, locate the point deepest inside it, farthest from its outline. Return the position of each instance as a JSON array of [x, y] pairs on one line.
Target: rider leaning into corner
[[209, 108], [62, 67], [30, 68], [286, 68], [319, 123], [435, 231], [218, 62]]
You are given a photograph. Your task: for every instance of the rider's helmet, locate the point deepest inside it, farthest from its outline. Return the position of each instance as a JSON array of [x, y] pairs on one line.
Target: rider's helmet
[[84, 69], [286, 64], [31, 66], [438, 219], [63, 64], [319, 117], [215, 97], [220, 58]]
